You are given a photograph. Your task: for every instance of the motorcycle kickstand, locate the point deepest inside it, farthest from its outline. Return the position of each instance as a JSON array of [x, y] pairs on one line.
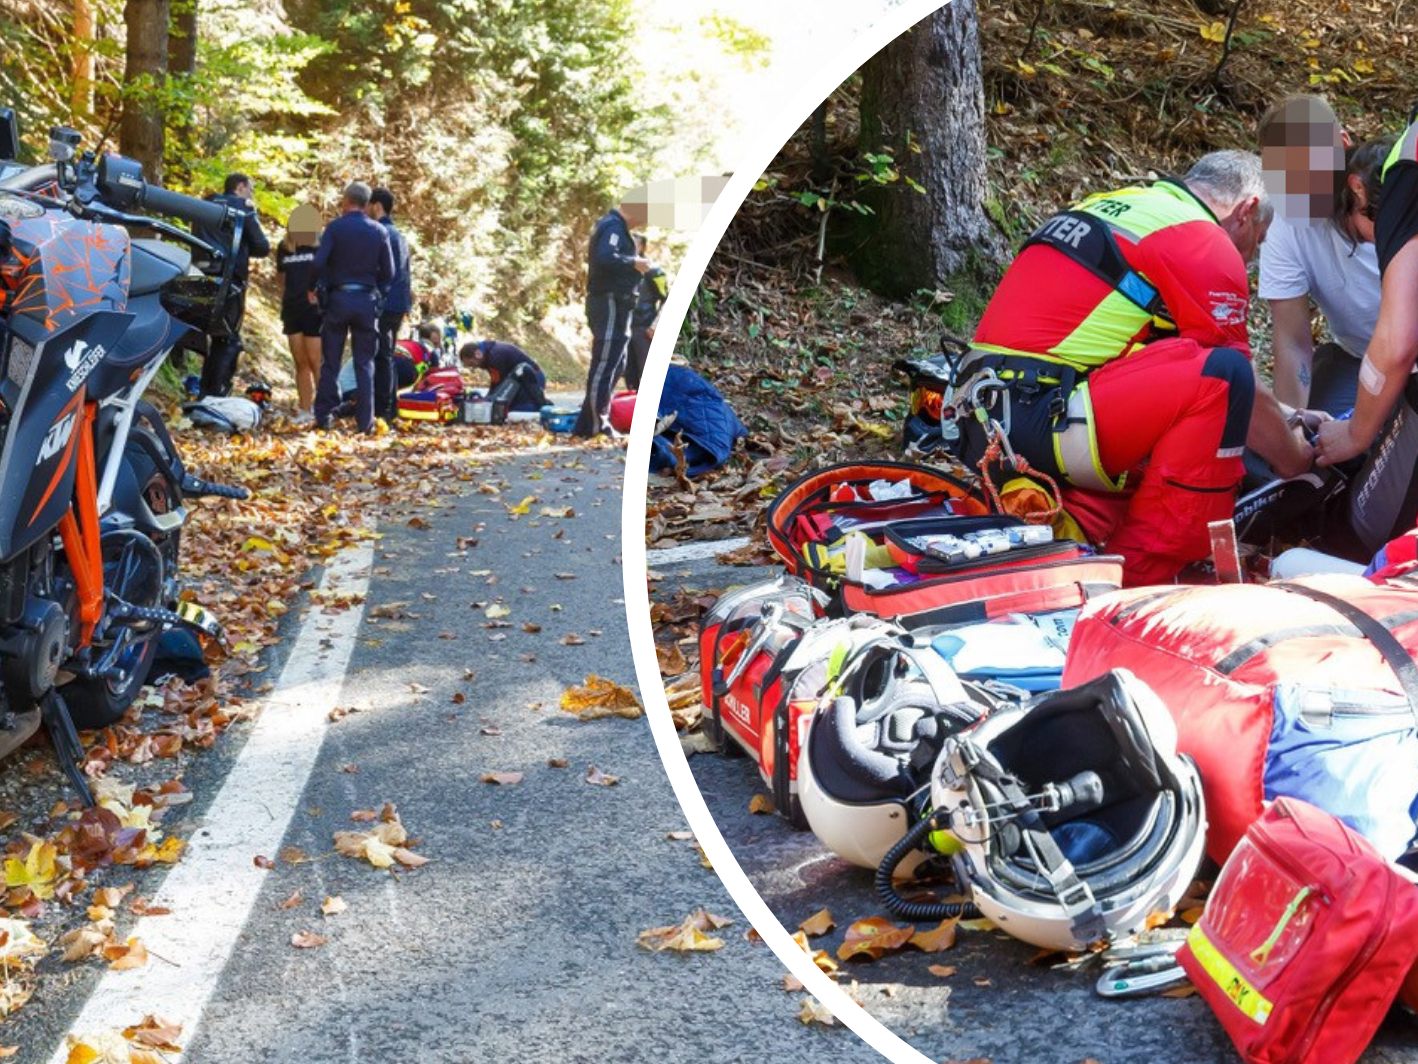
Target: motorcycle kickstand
[[64, 736]]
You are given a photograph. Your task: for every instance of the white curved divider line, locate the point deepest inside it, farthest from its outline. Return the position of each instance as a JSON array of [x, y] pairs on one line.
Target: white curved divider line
[[772, 136], [212, 890]]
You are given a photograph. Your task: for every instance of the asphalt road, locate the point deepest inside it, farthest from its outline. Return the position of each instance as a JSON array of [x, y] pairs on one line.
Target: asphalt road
[[518, 940], [1023, 1014]]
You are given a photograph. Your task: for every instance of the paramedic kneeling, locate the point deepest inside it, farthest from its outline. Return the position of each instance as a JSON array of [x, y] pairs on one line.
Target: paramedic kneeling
[[1120, 335], [1384, 497], [513, 374]]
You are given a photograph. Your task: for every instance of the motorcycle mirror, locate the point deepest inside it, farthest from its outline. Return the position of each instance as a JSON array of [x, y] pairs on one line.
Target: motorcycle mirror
[[9, 134], [63, 143]]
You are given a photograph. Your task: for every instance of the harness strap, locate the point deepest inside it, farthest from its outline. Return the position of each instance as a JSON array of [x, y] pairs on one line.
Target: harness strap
[[1395, 654], [1089, 241]]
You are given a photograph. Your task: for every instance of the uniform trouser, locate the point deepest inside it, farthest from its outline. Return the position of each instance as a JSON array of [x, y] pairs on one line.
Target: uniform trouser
[[349, 315], [524, 389], [223, 352], [608, 315], [1383, 500], [386, 382], [636, 353], [1174, 418]]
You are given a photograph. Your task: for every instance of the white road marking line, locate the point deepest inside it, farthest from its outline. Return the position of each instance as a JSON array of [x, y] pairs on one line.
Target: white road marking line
[[212, 890], [693, 552]]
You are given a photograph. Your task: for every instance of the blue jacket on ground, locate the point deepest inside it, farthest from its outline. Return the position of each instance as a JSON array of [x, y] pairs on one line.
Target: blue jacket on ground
[[705, 421], [611, 264], [399, 294], [354, 249]]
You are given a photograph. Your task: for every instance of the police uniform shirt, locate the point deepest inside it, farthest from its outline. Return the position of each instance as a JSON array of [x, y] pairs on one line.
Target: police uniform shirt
[[354, 250]]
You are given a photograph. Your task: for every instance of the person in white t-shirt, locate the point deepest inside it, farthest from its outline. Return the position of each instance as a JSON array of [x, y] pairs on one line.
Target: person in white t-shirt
[[1316, 255]]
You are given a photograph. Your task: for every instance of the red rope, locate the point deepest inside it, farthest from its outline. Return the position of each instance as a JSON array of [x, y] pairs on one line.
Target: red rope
[[995, 452]]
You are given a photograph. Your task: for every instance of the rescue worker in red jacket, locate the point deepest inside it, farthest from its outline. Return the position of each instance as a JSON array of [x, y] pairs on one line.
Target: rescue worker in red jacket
[[1120, 335]]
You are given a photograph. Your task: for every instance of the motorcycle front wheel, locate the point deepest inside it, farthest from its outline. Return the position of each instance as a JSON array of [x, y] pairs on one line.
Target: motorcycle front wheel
[[98, 703]]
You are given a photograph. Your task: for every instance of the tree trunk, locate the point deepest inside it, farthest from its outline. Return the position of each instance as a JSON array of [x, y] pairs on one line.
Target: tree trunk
[[182, 39], [81, 93], [144, 77], [923, 100]]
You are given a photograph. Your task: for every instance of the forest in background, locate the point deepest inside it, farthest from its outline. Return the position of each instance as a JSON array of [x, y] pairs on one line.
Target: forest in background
[[505, 127], [820, 285]]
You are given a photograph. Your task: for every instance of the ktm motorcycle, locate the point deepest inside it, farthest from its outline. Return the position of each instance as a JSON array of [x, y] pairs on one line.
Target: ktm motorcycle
[[93, 298]]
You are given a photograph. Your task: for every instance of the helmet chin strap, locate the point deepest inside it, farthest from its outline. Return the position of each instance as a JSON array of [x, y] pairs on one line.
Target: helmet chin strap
[[1074, 896]]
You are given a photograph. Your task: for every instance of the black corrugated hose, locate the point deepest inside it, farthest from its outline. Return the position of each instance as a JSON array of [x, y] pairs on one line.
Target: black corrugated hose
[[913, 910]]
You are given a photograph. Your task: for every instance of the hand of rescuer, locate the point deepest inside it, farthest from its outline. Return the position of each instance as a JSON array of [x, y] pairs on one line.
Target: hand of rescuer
[[1271, 436]]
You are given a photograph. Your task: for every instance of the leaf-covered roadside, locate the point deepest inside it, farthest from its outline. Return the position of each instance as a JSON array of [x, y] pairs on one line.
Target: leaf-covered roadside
[[74, 877]]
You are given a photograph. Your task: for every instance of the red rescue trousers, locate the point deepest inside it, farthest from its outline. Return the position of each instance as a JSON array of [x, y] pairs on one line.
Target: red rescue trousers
[[1174, 416]]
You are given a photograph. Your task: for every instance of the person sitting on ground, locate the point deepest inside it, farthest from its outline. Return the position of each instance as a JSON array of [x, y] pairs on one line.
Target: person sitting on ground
[[1314, 252], [1120, 334], [511, 370], [1384, 495]]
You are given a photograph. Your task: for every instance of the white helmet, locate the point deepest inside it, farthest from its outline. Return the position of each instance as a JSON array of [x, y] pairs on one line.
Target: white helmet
[[1076, 817], [863, 770]]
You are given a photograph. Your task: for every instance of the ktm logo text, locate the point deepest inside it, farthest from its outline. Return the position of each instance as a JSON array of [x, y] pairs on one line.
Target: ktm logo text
[[55, 439]]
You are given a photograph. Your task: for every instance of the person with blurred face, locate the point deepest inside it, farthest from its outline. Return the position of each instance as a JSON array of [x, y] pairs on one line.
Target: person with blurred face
[[1384, 495], [300, 319], [1120, 333], [613, 273], [1315, 253]]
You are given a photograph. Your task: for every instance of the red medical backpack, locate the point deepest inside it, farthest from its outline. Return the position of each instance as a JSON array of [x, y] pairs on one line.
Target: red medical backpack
[[1305, 941]]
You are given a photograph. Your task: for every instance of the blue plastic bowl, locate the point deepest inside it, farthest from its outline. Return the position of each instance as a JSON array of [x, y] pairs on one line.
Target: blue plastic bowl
[[559, 418]]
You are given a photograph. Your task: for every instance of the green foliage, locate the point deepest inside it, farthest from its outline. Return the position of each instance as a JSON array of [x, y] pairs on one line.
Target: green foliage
[[751, 47]]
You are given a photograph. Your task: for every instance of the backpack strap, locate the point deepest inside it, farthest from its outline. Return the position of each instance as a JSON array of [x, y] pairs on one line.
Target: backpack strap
[[1088, 240], [1395, 654]]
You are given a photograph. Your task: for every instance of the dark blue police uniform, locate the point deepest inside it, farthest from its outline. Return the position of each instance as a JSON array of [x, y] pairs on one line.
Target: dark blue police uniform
[[612, 287], [514, 375], [398, 301], [352, 264]]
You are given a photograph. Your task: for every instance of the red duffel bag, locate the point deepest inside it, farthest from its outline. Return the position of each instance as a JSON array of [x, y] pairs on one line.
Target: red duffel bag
[[1305, 941], [1225, 659]]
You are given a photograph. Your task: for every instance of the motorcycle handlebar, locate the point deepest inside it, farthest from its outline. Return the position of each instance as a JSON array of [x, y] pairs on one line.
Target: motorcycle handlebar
[[202, 213]]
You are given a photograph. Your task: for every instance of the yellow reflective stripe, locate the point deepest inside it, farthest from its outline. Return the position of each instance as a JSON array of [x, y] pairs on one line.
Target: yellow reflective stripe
[[1397, 152], [1253, 1004], [1086, 398], [1105, 334]]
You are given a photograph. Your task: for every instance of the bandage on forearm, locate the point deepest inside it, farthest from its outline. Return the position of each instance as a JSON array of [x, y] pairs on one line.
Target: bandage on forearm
[[1371, 378]]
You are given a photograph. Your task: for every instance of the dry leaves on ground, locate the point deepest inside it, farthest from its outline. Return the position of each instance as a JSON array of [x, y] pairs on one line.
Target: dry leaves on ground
[[599, 697], [383, 846], [688, 936]]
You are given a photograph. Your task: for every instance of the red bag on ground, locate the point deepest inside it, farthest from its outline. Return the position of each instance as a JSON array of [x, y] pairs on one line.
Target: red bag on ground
[[1305, 941], [622, 411]]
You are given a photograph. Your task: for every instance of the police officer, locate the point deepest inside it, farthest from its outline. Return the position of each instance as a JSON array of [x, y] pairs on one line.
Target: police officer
[[353, 263], [654, 290], [613, 273], [512, 373], [398, 301], [223, 351]]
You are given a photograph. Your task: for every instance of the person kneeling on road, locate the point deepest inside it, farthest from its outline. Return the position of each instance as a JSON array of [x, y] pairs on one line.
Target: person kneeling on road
[[1119, 337], [513, 373]]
